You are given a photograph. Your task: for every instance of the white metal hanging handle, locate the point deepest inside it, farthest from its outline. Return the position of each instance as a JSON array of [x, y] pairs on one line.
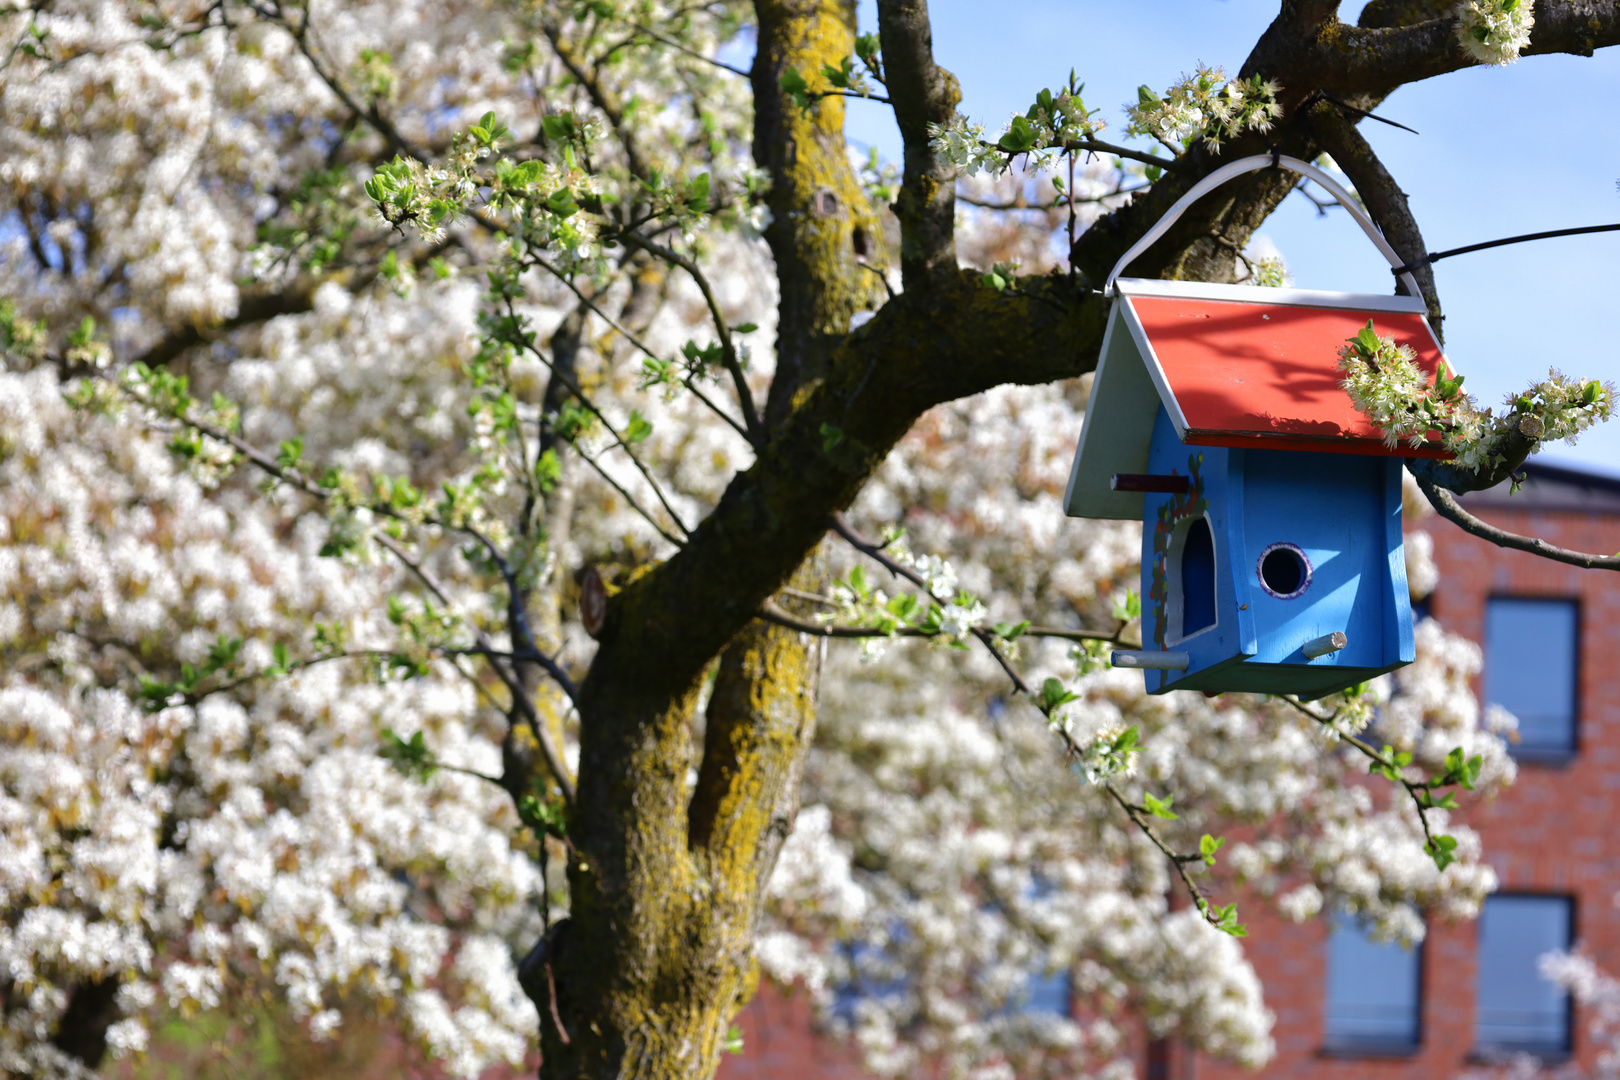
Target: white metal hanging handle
[[1254, 164]]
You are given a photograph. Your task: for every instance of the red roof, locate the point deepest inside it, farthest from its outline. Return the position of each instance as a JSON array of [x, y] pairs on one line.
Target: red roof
[[1231, 365], [1267, 375]]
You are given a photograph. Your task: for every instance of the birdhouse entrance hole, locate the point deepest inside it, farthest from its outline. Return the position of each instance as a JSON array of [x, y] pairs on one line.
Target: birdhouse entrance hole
[[1284, 571], [1192, 579]]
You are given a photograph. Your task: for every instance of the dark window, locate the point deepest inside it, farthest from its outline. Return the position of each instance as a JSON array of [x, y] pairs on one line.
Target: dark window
[[1520, 1010], [1374, 999], [1197, 579], [1531, 667]]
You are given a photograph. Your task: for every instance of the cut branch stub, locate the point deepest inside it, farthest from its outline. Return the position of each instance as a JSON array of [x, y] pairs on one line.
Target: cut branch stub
[[593, 600]]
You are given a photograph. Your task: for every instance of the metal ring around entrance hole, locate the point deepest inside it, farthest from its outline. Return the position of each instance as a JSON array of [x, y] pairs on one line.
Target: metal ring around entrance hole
[[1305, 569]]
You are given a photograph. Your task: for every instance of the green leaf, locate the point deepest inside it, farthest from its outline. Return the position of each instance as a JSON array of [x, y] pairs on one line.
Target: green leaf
[[410, 758], [222, 653], [489, 129], [1226, 920], [697, 192], [830, 437], [638, 429], [839, 76], [1129, 606], [1019, 137], [561, 203], [867, 47], [794, 86], [559, 127], [543, 816], [734, 1040], [290, 453], [1153, 172], [745, 328], [1442, 850], [281, 660], [1055, 694], [1367, 338], [1207, 847], [1146, 98], [1011, 631], [548, 471], [85, 334], [1159, 808]]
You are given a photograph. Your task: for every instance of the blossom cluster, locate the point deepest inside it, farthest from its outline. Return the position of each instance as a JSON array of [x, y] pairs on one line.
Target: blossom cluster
[[1495, 31], [1387, 386], [1205, 105], [1054, 122]]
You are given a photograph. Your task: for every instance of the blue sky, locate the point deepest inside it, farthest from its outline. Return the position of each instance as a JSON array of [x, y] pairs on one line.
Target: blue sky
[[1502, 151]]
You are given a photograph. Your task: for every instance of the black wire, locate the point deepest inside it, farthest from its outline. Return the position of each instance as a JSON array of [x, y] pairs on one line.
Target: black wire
[[1436, 256], [1363, 112]]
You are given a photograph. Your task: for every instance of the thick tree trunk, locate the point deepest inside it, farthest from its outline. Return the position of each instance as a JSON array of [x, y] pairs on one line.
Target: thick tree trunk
[[668, 887]]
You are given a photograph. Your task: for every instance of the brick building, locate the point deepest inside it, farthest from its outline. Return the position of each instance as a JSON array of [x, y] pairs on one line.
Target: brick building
[[1349, 1008]]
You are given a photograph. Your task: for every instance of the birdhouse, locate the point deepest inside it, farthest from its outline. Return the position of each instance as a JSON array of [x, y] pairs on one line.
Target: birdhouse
[[1271, 509]]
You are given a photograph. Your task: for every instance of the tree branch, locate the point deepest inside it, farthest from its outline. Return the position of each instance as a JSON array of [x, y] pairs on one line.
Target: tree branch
[[1352, 60], [1447, 507], [689, 383], [1386, 202], [922, 93], [769, 612]]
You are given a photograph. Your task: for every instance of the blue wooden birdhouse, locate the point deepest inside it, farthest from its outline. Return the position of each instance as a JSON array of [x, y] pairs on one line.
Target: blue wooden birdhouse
[[1272, 557]]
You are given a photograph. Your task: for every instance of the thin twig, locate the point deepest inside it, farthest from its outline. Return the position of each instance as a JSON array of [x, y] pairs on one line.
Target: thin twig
[[579, 394], [1446, 505], [728, 349], [633, 340], [882, 276], [818, 94], [514, 686], [771, 613], [1020, 203], [1372, 753], [693, 53], [1180, 862]]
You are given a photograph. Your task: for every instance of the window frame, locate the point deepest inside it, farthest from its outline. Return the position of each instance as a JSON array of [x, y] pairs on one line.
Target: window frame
[[1371, 1049], [1492, 1054], [1551, 757]]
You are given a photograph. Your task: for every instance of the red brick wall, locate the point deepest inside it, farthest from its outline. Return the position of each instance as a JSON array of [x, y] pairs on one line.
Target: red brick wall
[[1553, 831], [780, 1043]]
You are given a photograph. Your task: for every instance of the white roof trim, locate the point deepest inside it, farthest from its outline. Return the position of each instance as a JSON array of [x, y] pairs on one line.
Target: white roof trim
[[1255, 294], [1114, 439], [1155, 370]]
